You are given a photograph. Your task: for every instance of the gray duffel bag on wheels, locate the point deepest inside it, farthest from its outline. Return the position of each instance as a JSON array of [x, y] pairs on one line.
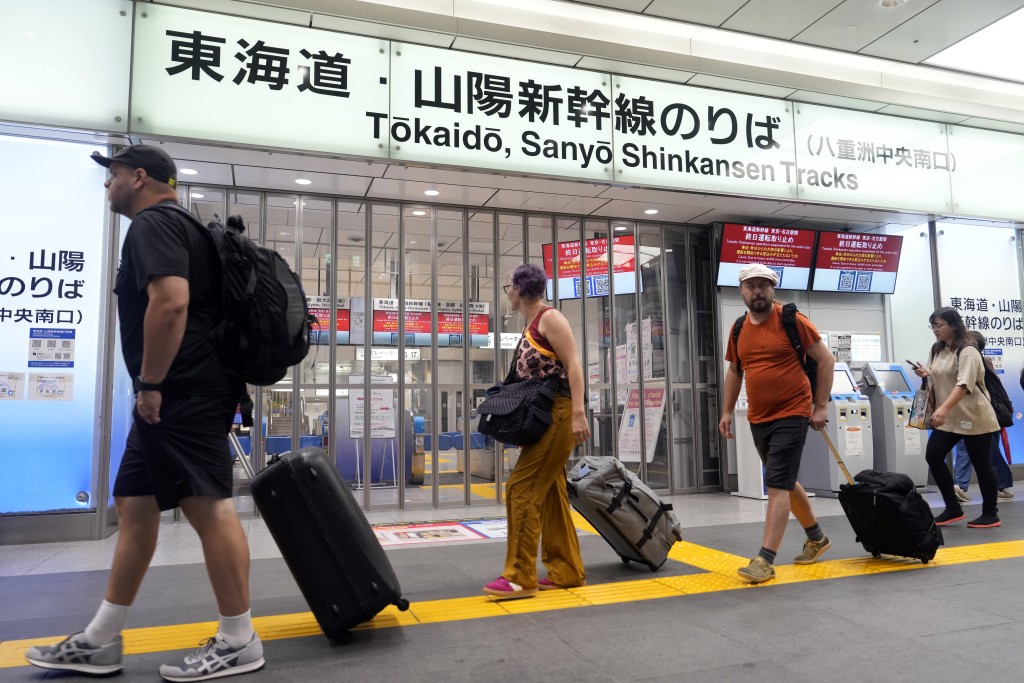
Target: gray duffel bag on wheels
[[627, 514]]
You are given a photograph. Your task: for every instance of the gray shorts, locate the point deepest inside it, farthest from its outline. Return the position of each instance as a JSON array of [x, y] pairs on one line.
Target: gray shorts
[[780, 444]]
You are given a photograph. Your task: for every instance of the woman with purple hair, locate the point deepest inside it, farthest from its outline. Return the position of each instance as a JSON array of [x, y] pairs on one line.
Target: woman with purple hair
[[536, 500]]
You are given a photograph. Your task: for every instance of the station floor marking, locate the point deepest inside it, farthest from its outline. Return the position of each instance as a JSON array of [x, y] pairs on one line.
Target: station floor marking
[[719, 575]]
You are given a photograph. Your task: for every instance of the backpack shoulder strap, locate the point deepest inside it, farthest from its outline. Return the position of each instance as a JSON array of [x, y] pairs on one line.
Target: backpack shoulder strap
[[789, 312], [736, 327]]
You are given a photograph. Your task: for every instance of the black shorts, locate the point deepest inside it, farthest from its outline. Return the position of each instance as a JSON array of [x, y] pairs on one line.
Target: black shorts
[[185, 454], [780, 444]]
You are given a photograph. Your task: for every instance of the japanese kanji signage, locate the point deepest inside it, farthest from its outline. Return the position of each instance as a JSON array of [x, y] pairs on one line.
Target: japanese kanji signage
[[787, 251], [419, 322], [680, 136], [206, 76], [884, 161], [320, 308], [52, 295], [477, 110], [856, 262], [215, 77]]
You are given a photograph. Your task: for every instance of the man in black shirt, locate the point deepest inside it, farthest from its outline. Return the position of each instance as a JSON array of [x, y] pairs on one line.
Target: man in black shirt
[[176, 455]]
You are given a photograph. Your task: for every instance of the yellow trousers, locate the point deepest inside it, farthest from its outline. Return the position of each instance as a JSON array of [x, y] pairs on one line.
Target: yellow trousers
[[538, 508]]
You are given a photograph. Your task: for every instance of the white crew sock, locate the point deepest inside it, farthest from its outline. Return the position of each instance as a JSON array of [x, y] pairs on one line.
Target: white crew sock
[[107, 624], [237, 631]]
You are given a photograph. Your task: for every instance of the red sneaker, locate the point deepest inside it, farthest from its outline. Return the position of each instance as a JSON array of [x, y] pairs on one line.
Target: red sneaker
[[503, 589]]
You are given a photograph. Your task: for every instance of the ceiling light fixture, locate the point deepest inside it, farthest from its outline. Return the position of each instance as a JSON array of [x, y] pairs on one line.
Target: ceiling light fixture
[[419, 213], [650, 212], [431, 193], [187, 171], [889, 4], [196, 195], [620, 228], [303, 181]]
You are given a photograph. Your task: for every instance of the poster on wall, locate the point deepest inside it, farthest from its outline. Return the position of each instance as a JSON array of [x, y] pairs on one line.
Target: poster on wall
[[383, 405], [787, 251], [629, 425], [990, 304], [857, 263], [52, 296]]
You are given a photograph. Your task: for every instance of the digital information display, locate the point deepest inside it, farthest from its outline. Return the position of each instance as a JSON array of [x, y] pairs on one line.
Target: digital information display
[[787, 251], [570, 273], [853, 262], [420, 322]]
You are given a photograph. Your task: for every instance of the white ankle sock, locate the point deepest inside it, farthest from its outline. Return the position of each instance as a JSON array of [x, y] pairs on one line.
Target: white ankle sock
[[237, 631], [107, 624]]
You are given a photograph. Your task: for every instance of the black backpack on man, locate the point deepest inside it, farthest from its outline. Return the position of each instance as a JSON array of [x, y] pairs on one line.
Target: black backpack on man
[[266, 325]]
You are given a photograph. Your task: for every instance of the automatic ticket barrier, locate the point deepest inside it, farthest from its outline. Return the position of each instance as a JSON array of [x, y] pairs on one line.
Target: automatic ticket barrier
[[849, 427], [898, 448]]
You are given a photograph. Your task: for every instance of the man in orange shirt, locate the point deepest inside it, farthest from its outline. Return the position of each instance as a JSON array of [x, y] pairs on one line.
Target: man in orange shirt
[[780, 407]]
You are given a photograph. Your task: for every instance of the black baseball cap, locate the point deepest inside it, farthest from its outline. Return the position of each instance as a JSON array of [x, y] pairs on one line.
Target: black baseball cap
[[157, 164]]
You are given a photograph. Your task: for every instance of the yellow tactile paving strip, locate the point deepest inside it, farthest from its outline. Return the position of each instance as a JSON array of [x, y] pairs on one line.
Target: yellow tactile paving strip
[[719, 575]]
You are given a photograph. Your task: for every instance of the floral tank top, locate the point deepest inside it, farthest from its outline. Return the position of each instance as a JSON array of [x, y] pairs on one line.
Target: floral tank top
[[536, 356]]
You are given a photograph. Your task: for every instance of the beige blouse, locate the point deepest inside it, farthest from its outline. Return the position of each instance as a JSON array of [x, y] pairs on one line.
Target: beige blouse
[[974, 413]]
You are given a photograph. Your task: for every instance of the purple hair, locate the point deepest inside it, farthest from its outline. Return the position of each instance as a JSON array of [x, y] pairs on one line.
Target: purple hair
[[530, 280]]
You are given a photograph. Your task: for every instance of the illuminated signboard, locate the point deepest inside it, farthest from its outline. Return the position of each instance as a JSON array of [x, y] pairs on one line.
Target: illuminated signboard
[[853, 262], [787, 251]]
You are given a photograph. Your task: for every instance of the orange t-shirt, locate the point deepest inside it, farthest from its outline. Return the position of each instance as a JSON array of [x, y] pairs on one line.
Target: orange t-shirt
[[776, 384]]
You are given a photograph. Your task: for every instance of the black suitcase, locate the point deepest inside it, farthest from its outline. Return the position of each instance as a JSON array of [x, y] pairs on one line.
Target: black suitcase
[[887, 514], [341, 568]]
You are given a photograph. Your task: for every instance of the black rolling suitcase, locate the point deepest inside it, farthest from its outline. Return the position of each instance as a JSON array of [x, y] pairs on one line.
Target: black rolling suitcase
[[887, 513], [341, 568], [635, 522]]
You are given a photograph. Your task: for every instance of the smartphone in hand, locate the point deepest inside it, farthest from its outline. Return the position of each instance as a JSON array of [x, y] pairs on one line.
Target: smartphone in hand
[[913, 364]]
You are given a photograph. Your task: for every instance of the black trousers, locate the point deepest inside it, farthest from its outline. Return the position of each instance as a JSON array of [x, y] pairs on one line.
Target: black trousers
[[979, 450]]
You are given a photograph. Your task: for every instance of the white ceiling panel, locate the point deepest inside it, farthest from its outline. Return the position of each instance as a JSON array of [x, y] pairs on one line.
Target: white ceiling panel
[[633, 69], [773, 19], [849, 215], [923, 114], [828, 224], [706, 13], [656, 198], [736, 85], [532, 54], [994, 125], [745, 217], [496, 181], [835, 101], [939, 26], [627, 5], [406, 190], [667, 213], [857, 23], [215, 174], [284, 180]]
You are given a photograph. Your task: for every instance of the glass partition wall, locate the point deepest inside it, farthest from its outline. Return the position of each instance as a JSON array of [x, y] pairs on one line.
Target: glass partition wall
[[413, 326]]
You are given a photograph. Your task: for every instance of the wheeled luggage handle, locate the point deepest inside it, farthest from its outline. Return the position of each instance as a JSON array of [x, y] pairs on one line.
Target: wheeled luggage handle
[[835, 454]]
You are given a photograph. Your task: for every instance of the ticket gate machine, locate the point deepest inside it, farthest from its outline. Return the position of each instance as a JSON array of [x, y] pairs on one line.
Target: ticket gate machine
[[849, 427], [898, 448]]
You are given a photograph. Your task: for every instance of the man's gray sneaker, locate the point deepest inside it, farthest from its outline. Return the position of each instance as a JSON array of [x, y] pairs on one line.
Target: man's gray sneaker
[[75, 653], [216, 659]]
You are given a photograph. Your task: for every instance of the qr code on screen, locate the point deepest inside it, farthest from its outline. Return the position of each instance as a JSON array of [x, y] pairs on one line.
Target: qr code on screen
[[598, 286], [846, 279], [863, 282]]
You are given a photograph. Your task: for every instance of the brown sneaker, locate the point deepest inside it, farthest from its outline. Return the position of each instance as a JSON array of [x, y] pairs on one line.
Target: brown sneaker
[[758, 571], [812, 550]]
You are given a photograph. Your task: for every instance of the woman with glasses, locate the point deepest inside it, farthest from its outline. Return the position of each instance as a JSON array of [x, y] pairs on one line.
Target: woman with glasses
[[963, 411], [536, 501]]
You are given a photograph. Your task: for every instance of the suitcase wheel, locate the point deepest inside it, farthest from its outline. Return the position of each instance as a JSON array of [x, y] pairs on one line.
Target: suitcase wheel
[[343, 638], [924, 561], [875, 554], [652, 567], [402, 605], [625, 560]]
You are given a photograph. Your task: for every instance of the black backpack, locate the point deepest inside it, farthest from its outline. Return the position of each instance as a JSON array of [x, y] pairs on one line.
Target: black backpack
[[996, 393], [266, 325], [789, 312]]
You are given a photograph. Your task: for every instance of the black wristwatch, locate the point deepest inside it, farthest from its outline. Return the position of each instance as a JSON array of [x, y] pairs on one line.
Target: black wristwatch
[[142, 385]]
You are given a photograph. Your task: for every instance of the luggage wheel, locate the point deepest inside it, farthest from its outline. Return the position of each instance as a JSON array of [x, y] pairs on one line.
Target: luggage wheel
[[402, 605], [343, 639], [625, 560], [875, 554], [924, 561]]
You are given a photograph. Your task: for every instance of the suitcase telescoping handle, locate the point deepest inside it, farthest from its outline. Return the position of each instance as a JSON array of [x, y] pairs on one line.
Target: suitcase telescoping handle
[[835, 454]]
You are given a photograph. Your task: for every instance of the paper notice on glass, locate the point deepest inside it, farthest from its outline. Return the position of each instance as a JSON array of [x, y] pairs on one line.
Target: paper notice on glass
[[854, 441], [648, 348], [12, 386], [912, 441], [47, 387], [632, 340]]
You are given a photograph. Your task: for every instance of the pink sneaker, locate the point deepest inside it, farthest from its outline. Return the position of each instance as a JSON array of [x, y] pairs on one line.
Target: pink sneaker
[[547, 584], [503, 589]]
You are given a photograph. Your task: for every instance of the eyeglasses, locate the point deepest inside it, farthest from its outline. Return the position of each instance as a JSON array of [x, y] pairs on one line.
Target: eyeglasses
[[507, 287], [937, 326]]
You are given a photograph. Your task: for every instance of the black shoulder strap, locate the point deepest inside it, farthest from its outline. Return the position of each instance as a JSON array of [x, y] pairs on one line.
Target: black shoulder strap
[[789, 325], [736, 327]]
